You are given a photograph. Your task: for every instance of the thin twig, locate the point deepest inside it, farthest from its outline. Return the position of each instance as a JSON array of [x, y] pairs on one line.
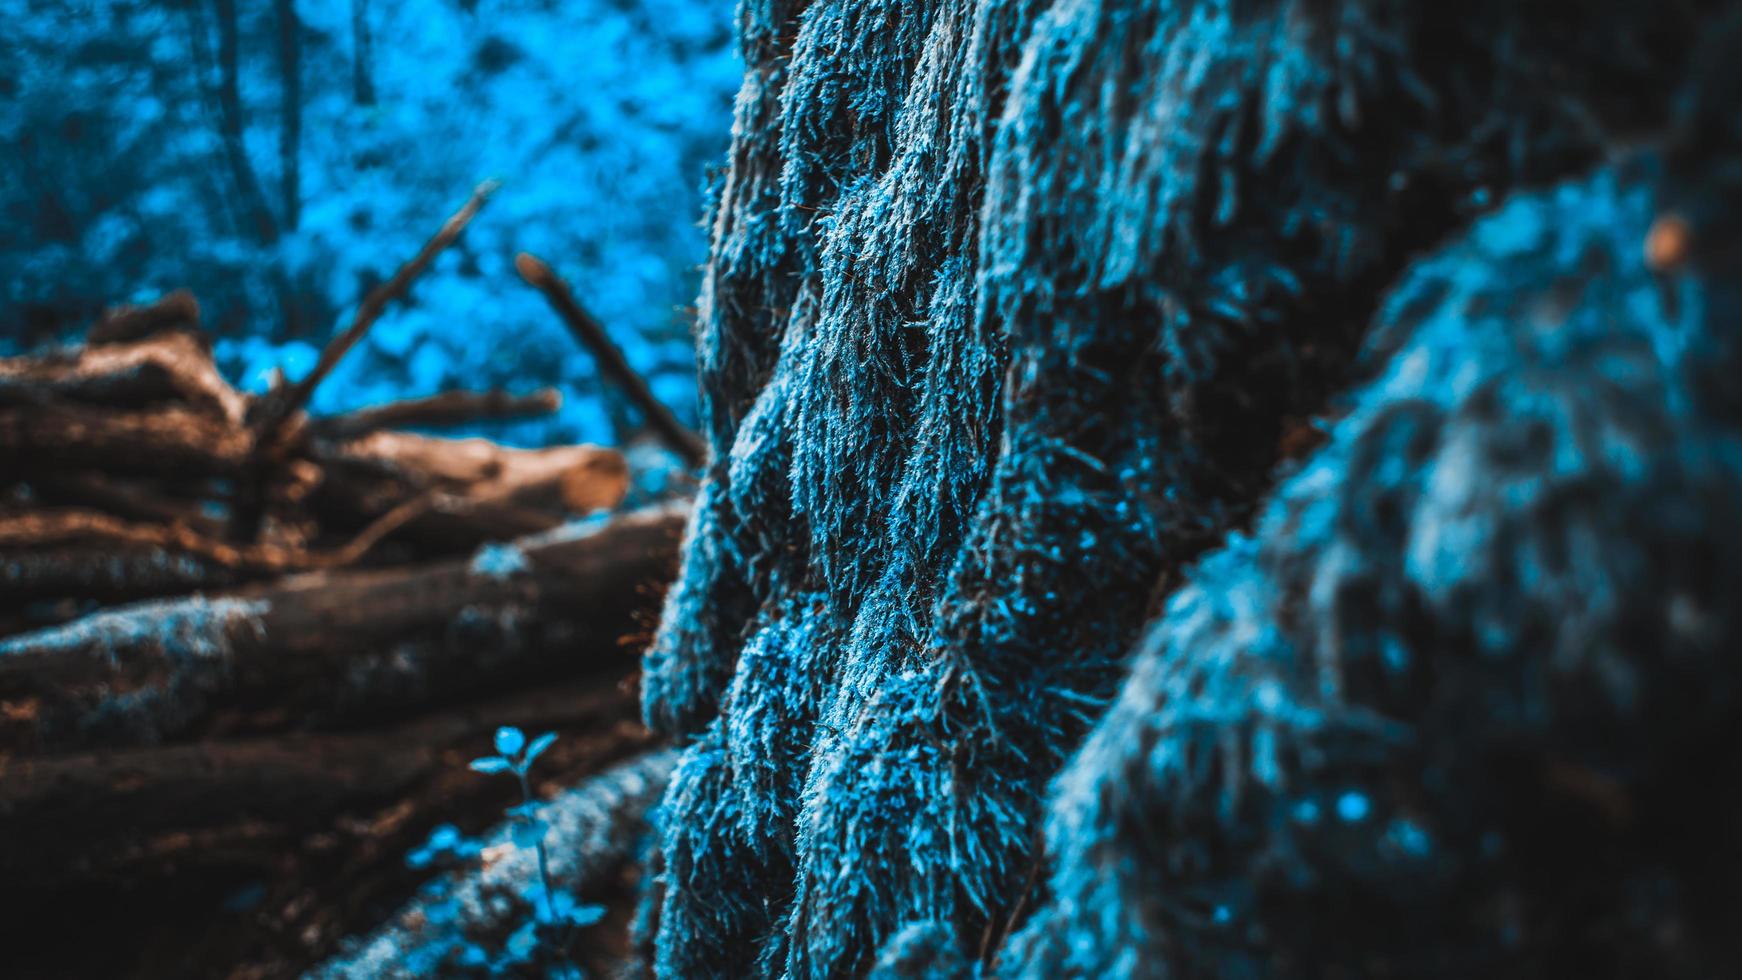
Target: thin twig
[[612, 364], [378, 529], [44, 530]]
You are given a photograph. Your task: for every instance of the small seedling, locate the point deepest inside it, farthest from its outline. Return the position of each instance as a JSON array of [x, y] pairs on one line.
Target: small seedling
[[514, 754]]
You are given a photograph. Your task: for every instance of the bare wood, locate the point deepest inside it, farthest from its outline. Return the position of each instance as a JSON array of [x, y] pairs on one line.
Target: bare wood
[[165, 367], [612, 364], [446, 409], [122, 324], [479, 468], [479, 491], [175, 443]]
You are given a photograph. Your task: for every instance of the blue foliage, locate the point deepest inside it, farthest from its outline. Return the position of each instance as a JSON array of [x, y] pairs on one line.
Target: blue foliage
[[599, 117]]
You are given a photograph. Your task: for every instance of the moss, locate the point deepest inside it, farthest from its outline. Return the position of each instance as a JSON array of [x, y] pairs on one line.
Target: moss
[[1008, 307], [1471, 662]]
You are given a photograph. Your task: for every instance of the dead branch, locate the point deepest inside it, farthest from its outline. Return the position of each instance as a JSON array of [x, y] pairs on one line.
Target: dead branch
[[271, 423], [612, 363], [284, 403]]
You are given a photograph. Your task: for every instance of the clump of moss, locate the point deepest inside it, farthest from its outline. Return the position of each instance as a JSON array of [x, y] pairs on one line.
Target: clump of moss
[[1008, 307], [1456, 704]]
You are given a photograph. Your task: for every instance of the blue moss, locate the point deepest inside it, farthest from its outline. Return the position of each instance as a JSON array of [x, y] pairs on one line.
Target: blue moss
[[1466, 630], [1008, 308]]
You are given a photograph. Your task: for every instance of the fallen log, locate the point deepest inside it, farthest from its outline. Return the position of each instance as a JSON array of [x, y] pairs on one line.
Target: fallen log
[[174, 367], [331, 645], [261, 858], [174, 443], [99, 813], [92, 572], [577, 478], [127, 499], [69, 553], [479, 491]]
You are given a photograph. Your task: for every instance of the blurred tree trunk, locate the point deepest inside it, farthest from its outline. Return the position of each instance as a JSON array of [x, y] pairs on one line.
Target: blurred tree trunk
[[290, 103], [362, 83], [199, 41], [291, 312], [231, 122]]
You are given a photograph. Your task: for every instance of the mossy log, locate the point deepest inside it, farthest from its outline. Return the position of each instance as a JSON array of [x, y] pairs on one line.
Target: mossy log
[[337, 644]]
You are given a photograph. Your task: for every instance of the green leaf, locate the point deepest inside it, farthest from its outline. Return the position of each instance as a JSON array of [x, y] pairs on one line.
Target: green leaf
[[490, 763]]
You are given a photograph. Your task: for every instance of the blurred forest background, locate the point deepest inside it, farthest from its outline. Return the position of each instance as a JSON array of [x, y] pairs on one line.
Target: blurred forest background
[[281, 157]]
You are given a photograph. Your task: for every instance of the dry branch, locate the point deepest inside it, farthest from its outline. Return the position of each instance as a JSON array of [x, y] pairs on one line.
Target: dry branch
[[273, 434], [284, 403], [612, 363]]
